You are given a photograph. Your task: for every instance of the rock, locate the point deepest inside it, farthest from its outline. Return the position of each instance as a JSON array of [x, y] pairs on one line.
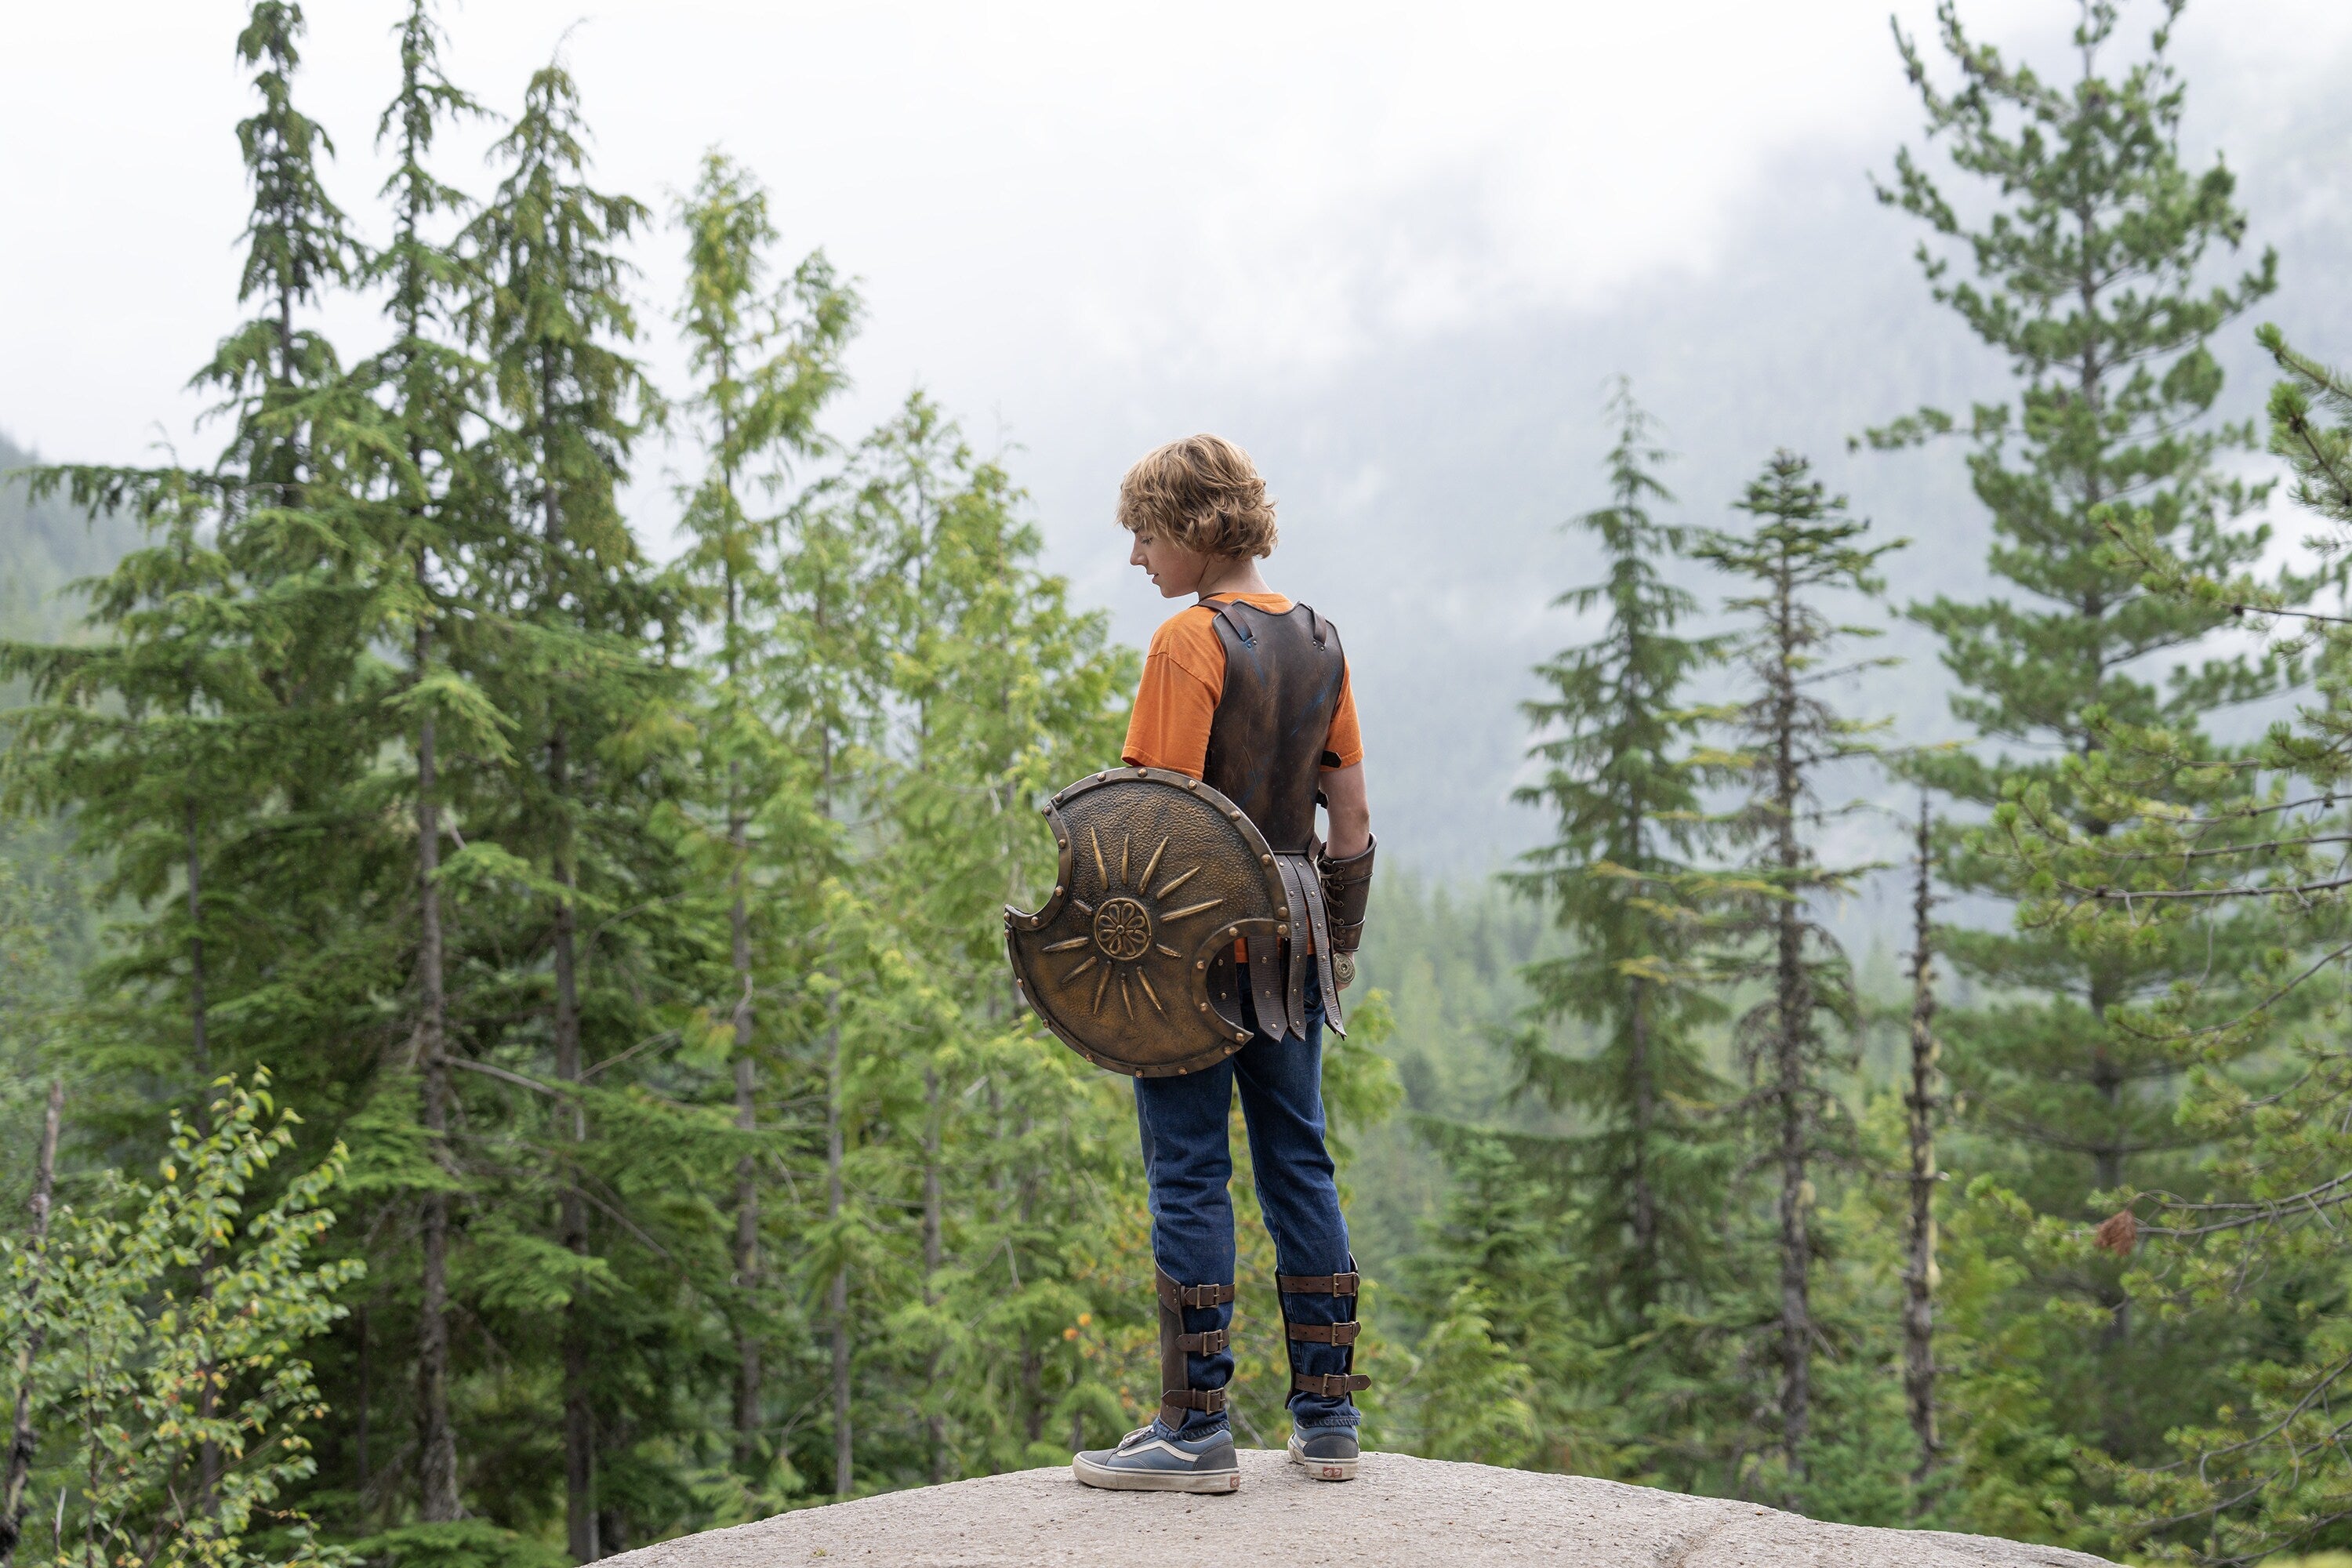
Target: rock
[[1399, 1512]]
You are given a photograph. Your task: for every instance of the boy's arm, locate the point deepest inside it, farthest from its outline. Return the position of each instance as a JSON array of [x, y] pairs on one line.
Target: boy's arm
[[1351, 812]]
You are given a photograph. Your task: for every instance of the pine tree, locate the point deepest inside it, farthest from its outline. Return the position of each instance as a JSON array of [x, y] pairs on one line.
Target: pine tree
[[2091, 281], [433, 391], [582, 675], [1009, 693], [1923, 1106], [2253, 1258], [769, 363], [1617, 741], [1767, 911]]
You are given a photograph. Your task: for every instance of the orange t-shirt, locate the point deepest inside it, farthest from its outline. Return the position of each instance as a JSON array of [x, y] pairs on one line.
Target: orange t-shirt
[[1183, 676]]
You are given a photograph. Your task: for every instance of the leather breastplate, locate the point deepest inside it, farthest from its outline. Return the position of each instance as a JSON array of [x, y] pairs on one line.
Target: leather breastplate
[[1283, 677]]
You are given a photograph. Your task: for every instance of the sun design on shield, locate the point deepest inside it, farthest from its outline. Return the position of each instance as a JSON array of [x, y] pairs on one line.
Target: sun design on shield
[[1127, 924]]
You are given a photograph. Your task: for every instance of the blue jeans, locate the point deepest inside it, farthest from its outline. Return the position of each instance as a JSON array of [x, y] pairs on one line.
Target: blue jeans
[[1188, 1159]]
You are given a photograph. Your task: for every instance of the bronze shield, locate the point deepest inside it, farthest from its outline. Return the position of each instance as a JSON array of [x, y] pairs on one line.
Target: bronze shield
[[1160, 873]]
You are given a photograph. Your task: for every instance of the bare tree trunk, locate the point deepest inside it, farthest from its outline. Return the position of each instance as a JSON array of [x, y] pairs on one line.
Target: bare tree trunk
[[199, 1042], [437, 1435], [360, 1416], [837, 1299], [1794, 1006], [579, 1426], [1033, 1360], [20, 1431], [1644, 1196], [1921, 1106], [747, 1184], [934, 1247]]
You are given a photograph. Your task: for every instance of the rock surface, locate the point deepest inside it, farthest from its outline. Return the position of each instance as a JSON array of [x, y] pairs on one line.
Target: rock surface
[[1399, 1512]]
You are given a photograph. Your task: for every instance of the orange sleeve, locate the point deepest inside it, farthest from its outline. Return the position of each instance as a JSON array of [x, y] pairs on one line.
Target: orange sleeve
[[1344, 746], [1183, 676]]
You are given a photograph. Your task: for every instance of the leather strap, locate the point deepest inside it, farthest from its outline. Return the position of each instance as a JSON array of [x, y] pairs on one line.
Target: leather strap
[[1347, 888], [1318, 922], [1318, 1284], [1177, 1348], [1173, 1296], [1331, 1385], [1326, 1333], [1266, 984], [1224, 609], [1294, 901]]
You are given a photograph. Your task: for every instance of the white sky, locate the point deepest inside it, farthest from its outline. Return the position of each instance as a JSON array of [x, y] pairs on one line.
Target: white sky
[[1050, 205]]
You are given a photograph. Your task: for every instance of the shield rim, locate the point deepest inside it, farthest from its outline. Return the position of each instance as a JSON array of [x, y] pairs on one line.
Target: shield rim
[[1017, 921]]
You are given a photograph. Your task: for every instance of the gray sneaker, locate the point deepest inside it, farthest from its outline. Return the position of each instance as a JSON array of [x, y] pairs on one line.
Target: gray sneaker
[[1148, 1460], [1329, 1453]]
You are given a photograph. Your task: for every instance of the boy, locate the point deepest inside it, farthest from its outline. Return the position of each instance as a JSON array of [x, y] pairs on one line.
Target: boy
[[1249, 693]]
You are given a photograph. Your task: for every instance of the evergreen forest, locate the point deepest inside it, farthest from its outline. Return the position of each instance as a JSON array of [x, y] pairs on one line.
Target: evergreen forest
[[506, 1050]]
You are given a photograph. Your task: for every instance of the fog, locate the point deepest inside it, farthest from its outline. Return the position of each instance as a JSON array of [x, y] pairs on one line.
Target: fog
[[1397, 252]]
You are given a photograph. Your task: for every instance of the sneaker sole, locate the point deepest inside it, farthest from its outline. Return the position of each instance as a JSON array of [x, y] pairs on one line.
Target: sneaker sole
[[1107, 1479], [1322, 1469]]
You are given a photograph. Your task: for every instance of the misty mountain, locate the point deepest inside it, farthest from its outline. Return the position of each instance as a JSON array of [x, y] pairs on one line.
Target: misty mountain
[[1422, 490], [44, 546]]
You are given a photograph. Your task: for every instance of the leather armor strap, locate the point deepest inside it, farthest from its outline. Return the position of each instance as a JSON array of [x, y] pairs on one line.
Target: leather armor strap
[[1177, 1348], [1266, 984], [1327, 1333], [1295, 875], [1310, 877], [1172, 1295], [1347, 889], [1332, 1385], [1318, 1284]]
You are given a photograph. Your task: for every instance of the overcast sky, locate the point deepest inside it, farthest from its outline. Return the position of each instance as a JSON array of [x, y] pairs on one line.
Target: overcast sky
[[1125, 199], [1086, 227]]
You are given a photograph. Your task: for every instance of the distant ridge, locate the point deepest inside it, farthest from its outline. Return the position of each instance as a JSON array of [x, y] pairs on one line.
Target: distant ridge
[[44, 546]]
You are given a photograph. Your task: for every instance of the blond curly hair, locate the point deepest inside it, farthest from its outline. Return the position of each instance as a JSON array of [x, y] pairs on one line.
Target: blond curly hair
[[1202, 493]]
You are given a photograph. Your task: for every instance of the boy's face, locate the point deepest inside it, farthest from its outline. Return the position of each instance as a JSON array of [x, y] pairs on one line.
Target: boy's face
[[1175, 571]]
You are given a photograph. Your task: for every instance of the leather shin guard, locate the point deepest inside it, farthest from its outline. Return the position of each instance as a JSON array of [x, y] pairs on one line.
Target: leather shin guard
[[1177, 1394], [1347, 1380]]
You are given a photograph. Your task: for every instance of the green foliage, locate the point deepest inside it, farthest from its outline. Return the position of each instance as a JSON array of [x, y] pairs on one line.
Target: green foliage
[[1622, 773], [1764, 912], [172, 1390], [628, 934], [2092, 243]]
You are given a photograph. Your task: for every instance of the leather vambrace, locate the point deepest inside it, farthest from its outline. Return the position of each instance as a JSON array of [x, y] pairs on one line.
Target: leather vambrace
[[1347, 888]]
